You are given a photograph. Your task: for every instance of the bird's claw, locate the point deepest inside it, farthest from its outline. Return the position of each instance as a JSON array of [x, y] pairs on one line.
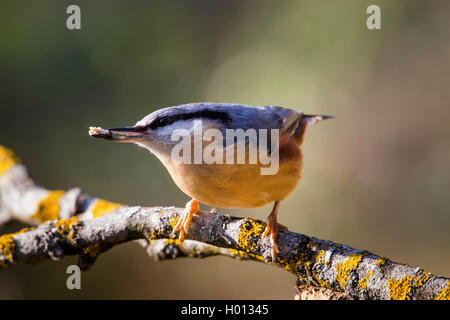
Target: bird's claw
[[273, 228], [184, 220]]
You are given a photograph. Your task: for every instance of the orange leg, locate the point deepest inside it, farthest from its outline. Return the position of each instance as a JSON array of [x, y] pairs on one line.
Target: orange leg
[[272, 228], [183, 221]]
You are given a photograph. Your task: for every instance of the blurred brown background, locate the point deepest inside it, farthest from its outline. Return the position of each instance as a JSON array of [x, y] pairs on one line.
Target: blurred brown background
[[376, 178]]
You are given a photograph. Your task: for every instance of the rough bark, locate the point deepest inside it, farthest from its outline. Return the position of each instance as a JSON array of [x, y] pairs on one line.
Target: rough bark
[[73, 223]]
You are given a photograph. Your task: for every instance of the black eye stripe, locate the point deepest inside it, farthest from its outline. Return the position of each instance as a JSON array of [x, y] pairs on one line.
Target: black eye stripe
[[163, 121], [204, 114], [160, 122]]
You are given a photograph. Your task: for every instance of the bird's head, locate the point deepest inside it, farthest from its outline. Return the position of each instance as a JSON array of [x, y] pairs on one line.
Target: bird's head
[[154, 131]]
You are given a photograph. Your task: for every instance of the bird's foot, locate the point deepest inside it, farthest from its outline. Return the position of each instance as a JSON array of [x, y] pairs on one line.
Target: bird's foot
[[183, 221], [273, 228]]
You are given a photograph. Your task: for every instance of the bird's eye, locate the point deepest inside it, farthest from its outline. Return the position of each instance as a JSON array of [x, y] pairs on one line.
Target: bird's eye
[[163, 121], [158, 123]]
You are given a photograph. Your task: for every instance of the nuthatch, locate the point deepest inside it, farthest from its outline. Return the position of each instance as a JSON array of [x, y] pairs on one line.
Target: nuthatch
[[225, 184]]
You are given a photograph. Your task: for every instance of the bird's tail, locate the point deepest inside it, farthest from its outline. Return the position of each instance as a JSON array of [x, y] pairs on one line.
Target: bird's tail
[[305, 123]]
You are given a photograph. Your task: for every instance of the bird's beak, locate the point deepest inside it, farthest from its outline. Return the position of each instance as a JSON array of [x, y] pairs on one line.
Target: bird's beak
[[124, 134]]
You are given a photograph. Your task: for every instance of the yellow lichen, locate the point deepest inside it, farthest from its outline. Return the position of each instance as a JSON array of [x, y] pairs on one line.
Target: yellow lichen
[[65, 226], [249, 234], [400, 289], [445, 294], [246, 255], [48, 208], [257, 257], [289, 265], [381, 262], [363, 281], [7, 245], [422, 278], [103, 207], [172, 241], [311, 245], [305, 266], [93, 250], [344, 269], [23, 230], [320, 257], [7, 159], [173, 221]]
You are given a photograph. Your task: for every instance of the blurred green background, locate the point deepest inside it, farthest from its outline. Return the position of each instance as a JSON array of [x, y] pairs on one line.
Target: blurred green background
[[376, 178]]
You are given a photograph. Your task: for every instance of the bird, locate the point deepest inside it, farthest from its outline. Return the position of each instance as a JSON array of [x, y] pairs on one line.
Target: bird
[[230, 179]]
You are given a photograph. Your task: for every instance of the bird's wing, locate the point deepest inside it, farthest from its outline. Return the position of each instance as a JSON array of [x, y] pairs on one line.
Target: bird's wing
[[291, 123]]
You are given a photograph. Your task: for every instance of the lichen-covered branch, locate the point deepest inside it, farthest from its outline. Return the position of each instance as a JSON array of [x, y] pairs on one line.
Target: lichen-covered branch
[[72, 223]]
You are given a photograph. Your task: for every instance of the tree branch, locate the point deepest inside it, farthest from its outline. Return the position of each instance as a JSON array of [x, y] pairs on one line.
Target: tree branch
[[72, 223]]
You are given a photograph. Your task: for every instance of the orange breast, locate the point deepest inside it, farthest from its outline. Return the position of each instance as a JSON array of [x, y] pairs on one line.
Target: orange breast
[[240, 185]]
